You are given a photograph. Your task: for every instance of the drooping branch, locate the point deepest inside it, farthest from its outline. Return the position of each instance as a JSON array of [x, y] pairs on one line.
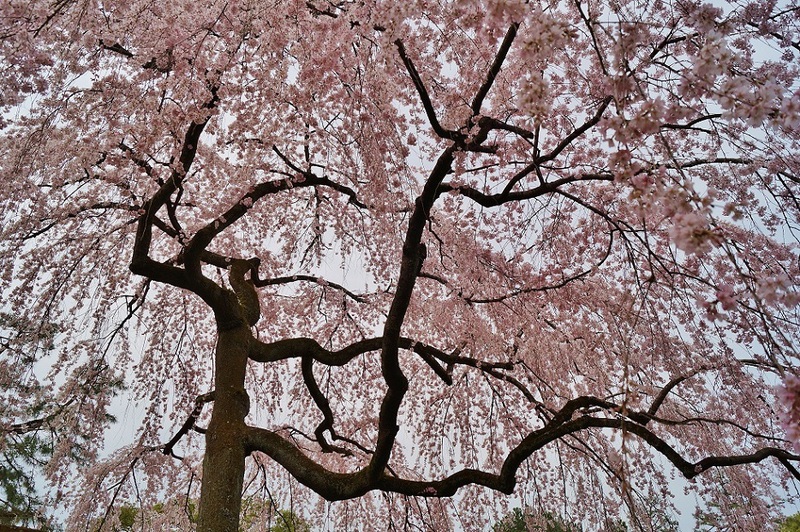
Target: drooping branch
[[779, 36], [514, 293], [102, 207], [576, 133], [189, 424], [702, 162], [223, 262], [204, 236], [692, 123], [313, 179], [308, 347], [692, 469], [307, 366], [339, 486], [556, 151], [311, 279], [36, 424], [331, 485], [196, 248], [664, 393]]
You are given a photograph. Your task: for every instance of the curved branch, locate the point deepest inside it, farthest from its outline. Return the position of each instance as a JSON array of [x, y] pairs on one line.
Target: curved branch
[[716, 160], [692, 123], [691, 470], [141, 263], [204, 236], [339, 486], [196, 248], [518, 292], [586, 126], [189, 424], [310, 348], [311, 279], [410, 261], [307, 366], [662, 395], [224, 262], [495, 200], [331, 485], [316, 180], [490, 123]]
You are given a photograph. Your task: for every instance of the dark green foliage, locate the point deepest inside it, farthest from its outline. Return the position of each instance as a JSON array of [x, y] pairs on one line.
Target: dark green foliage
[[127, 517], [517, 521], [19, 455], [520, 520], [287, 521], [23, 447], [29, 431], [514, 522], [791, 523]]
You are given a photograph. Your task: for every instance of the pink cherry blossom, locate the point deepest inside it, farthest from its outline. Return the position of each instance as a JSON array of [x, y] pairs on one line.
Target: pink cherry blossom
[[400, 262], [789, 396]]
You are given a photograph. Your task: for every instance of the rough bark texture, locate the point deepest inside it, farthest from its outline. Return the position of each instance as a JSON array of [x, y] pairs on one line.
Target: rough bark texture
[[223, 465]]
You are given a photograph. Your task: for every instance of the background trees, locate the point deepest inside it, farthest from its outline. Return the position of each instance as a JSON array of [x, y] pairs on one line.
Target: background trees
[[546, 247]]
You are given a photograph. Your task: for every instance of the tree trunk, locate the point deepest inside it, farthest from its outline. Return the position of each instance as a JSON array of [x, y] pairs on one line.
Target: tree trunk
[[223, 465]]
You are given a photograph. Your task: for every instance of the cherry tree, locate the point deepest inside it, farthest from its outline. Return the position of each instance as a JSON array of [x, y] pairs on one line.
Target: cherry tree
[[401, 260]]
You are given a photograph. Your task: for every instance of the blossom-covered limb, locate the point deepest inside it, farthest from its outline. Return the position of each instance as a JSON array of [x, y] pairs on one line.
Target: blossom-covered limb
[[273, 281], [576, 133], [200, 241], [424, 97], [494, 70], [692, 469], [495, 200], [141, 263]]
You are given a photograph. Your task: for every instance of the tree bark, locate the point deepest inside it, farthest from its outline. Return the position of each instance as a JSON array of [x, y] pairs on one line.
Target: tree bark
[[224, 462]]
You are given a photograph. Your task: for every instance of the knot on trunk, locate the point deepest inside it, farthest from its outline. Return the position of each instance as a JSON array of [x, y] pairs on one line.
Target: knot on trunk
[[245, 290]]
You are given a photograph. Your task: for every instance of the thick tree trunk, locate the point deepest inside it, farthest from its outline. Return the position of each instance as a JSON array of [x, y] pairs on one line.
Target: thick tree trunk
[[223, 465]]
